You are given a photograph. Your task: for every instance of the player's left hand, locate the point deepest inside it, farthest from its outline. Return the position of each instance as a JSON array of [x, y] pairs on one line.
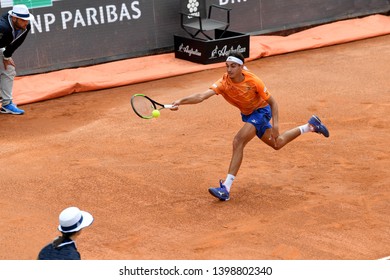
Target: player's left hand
[[274, 135]]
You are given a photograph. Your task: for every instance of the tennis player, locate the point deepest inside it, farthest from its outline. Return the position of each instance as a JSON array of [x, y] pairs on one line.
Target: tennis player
[[259, 112]]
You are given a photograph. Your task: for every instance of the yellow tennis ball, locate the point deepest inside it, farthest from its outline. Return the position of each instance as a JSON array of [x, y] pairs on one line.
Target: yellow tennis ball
[[156, 113]]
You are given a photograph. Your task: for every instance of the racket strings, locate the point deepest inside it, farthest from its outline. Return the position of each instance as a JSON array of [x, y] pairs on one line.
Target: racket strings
[[142, 106]]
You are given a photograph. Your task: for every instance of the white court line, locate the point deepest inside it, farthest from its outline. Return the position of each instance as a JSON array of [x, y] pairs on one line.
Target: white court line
[[385, 258]]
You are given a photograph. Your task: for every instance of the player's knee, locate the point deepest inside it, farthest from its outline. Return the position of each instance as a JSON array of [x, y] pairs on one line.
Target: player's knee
[[277, 144], [238, 142], [276, 147]]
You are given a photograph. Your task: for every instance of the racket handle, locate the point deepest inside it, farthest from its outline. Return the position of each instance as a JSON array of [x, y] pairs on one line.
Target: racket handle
[[169, 106]]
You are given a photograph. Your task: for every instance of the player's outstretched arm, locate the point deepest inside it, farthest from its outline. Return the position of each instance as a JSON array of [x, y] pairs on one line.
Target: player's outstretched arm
[[194, 98]]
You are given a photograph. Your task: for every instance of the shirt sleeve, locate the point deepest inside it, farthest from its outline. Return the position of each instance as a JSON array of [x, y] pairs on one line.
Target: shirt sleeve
[[217, 87], [10, 49], [262, 89]]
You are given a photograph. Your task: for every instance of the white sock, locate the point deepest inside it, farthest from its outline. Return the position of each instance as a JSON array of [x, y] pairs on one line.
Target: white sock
[[304, 128], [229, 181]]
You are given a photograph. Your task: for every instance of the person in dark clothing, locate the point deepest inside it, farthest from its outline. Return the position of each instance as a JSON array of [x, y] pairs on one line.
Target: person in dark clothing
[[72, 221], [14, 27]]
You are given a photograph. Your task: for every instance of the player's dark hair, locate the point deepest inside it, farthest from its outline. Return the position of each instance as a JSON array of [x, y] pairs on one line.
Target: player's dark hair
[[237, 55]]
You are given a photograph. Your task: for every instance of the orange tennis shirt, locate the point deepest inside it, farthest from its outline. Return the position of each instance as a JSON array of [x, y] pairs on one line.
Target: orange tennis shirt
[[247, 96]]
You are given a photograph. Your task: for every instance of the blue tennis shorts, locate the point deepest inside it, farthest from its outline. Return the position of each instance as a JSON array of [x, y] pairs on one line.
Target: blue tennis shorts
[[260, 119]]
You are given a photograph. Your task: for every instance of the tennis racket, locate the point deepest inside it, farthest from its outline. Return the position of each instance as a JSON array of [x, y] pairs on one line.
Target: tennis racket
[[143, 106]]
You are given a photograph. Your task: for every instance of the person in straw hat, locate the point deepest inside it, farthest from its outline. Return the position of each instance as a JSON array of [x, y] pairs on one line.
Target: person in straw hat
[[14, 27], [72, 221]]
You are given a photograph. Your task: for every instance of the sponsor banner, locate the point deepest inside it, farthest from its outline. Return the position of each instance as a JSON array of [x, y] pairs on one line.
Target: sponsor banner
[[211, 51], [72, 33]]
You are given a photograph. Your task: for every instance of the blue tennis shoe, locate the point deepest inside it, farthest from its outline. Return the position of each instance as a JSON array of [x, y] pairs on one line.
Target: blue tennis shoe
[[319, 127], [221, 193], [11, 109]]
